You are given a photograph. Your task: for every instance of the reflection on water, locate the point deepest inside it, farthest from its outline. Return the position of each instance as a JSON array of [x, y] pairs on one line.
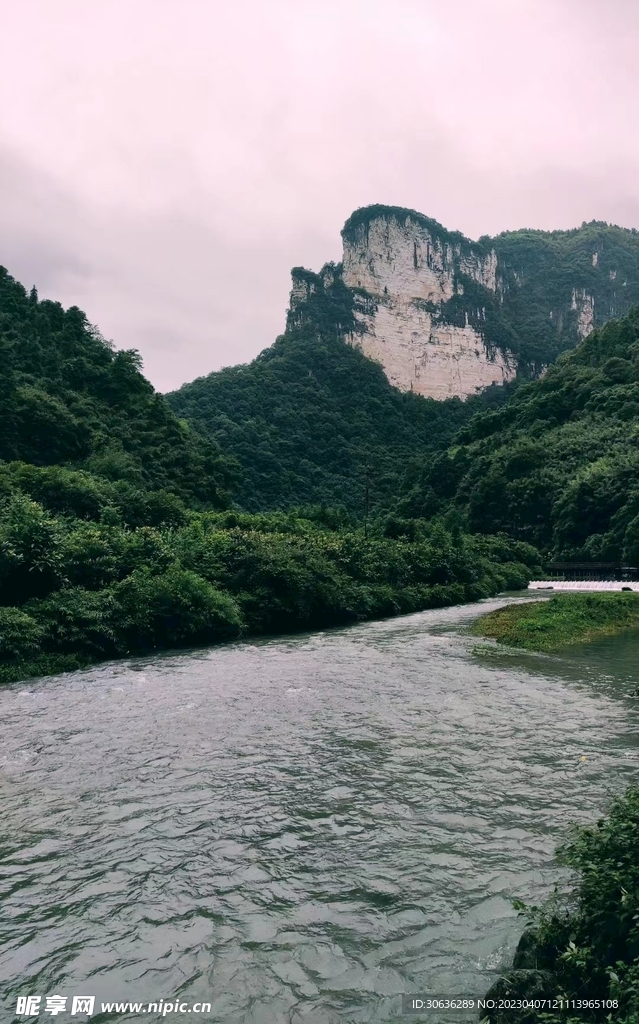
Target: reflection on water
[[299, 829]]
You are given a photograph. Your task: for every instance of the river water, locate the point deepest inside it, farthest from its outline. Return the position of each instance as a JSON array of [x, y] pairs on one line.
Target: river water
[[298, 829]]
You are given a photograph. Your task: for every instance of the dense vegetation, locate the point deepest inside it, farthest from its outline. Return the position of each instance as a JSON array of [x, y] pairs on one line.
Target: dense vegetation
[[540, 270], [113, 537], [558, 464], [74, 590], [311, 421], [66, 397], [563, 620], [584, 943], [314, 422]]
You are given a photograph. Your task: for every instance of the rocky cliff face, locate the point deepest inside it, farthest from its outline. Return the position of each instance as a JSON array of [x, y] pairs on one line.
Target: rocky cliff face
[[403, 274], [421, 352], [584, 306], [410, 259], [447, 317]]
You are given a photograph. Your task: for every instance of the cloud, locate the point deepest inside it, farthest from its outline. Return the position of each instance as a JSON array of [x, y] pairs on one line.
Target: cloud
[[163, 166]]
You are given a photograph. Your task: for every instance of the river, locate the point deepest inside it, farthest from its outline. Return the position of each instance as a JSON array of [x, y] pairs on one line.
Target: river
[[298, 829]]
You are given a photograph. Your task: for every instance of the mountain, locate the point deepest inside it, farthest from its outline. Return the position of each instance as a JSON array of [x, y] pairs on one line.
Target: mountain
[[387, 354], [447, 316], [115, 539], [312, 421], [558, 464], [67, 399]]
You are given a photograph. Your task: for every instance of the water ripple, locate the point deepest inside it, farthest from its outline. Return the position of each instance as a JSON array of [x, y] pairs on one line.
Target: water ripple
[[300, 829]]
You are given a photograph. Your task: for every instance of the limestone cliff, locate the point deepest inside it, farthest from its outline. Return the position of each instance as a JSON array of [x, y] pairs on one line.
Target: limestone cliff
[[447, 317], [403, 274]]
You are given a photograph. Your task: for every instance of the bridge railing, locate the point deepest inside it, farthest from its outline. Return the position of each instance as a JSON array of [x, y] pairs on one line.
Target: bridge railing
[[591, 571]]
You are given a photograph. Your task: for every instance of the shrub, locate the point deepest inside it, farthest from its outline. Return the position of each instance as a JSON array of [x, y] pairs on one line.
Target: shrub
[[78, 621], [588, 938], [30, 562], [20, 634], [58, 489], [173, 608], [96, 555]]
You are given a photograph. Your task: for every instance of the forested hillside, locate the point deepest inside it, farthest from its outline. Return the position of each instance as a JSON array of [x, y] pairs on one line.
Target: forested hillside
[[314, 422], [112, 540], [68, 398], [558, 465], [543, 276]]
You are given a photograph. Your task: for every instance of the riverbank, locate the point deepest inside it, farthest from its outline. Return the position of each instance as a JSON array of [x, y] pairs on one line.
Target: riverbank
[[560, 621], [104, 590], [387, 604], [584, 944]]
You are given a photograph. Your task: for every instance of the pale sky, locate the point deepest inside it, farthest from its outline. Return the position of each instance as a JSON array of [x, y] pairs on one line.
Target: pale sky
[[164, 163]]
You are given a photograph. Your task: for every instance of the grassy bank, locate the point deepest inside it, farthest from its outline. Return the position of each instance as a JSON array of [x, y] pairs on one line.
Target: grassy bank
[[563, 620]]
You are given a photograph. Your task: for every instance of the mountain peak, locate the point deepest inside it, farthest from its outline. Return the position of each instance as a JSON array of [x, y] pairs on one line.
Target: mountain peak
[[361, 219], [447, 316]]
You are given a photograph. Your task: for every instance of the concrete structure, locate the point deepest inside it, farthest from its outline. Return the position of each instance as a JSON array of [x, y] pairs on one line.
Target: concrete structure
[[583, 585]]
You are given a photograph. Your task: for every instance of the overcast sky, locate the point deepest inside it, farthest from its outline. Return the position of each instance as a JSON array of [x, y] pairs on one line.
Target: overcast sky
[[164, 163]]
